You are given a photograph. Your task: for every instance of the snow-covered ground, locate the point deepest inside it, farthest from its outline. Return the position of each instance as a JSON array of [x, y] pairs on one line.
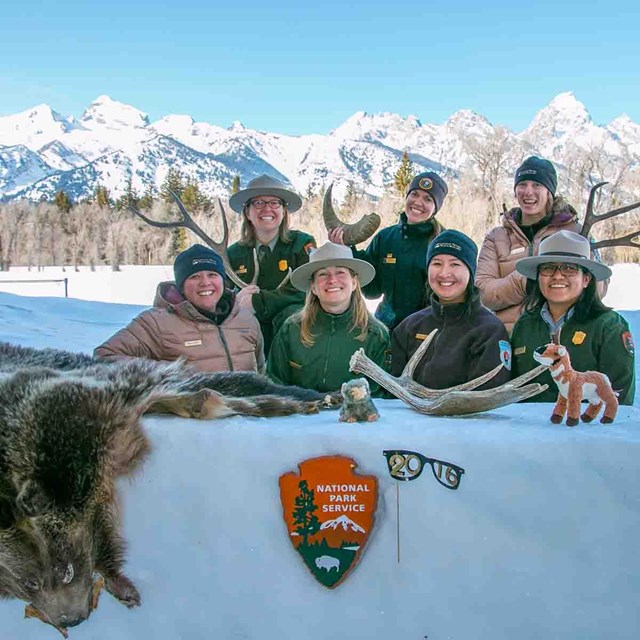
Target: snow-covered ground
[[539, 541]]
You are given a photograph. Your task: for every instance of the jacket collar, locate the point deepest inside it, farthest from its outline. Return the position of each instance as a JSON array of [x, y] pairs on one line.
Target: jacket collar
[[452, 312], [169, 297]]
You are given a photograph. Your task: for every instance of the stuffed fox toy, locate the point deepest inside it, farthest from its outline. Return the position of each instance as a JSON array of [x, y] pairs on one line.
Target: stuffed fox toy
[[575, 386]]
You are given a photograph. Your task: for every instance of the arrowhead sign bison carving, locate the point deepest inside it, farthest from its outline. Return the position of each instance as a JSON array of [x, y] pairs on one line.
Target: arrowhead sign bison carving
[[329, 512]]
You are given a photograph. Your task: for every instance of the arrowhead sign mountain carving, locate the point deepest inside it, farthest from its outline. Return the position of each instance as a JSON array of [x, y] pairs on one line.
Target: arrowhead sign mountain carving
[[329, 511]]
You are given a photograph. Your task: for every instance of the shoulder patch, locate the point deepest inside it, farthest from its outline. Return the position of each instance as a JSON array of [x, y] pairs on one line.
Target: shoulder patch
[[627, 341], [308, 247], [505, 354]]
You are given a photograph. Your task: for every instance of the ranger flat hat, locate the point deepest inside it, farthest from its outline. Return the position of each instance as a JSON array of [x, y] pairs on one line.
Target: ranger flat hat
[[265, 186], [331, 255], [564, 246]]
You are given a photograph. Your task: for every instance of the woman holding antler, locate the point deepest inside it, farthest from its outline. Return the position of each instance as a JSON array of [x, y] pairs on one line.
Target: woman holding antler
[[563, 306], [267, 252], [539, 214]]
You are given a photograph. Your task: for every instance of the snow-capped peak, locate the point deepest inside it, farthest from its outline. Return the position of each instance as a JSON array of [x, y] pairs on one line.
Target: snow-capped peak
[[564, 113], [34, 127], [342, 521], [466, 120], [375, 127], [105, 112]]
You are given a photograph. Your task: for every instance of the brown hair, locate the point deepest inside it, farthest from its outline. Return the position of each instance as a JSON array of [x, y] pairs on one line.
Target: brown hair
[[308, 314], [248, 233]]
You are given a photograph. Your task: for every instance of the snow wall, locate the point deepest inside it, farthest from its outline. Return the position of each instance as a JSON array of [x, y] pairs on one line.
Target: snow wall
[[539, 541]]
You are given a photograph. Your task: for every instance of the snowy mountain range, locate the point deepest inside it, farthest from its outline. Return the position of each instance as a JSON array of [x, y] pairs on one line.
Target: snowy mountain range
[[112, 144]]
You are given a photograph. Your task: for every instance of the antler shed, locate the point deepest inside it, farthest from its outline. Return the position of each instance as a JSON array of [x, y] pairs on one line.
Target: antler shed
[[458, 400], [353, 233], [591, 218], [186, 221]]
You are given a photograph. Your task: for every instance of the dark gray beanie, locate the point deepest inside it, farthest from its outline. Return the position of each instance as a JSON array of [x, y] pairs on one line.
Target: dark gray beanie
[[194, 259], [433, 184], [455, 243], [539, 170]]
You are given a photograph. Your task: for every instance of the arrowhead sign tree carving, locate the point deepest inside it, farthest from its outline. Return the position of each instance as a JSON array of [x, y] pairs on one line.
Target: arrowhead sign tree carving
[[329, 512]]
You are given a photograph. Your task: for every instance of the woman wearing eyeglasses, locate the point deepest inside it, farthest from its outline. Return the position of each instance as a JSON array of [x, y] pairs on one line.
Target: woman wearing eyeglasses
[[265, 206], [564, 306]]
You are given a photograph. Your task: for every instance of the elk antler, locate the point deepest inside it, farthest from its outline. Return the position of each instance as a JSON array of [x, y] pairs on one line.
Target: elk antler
[[406, 377], [459, 400], [353, 233], [592, 218], [188, 222]]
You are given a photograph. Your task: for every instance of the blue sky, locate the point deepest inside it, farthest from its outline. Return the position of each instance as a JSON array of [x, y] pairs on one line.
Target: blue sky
[[297, 67]]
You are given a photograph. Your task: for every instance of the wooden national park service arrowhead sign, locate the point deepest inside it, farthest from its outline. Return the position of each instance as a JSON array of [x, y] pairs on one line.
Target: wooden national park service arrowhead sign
[[329, 512]]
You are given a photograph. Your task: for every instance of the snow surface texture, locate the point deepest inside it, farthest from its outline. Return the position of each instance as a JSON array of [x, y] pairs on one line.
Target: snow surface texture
[[539, 541]]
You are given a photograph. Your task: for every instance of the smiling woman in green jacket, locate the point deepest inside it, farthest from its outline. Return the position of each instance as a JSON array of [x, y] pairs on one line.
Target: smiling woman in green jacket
[[563, 306], [313, 347]]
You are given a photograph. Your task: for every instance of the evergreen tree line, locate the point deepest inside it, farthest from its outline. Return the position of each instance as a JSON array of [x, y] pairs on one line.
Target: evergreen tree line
[[103, 231]]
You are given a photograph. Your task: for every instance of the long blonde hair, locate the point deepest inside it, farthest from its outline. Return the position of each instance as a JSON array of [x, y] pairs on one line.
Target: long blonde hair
[[248, 232], [308, 314]]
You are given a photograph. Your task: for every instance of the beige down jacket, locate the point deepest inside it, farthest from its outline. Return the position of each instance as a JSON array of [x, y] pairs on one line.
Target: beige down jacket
[[502, 288], [175, 328]]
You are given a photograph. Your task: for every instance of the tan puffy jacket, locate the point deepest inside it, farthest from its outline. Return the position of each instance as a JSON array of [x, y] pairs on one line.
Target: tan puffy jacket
[[502, 288], [175, 328]]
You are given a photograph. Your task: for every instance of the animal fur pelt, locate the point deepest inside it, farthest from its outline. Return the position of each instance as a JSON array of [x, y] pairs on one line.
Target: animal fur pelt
[[69, 427]]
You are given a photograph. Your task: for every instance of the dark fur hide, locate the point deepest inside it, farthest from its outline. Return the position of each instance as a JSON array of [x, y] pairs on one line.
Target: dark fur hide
[[69, 427]]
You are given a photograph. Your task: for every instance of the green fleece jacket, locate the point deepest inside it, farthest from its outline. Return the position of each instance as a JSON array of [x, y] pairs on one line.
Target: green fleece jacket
[[600, 344], [399, 255], [325, 365]]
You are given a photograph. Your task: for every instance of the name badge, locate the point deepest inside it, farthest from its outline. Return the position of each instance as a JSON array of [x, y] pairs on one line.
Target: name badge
[[193, 343], [519, 351], [518, 250], [389, 259]]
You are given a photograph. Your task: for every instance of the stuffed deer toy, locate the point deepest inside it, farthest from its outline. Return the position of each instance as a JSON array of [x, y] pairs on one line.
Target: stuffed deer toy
[[575, 386]]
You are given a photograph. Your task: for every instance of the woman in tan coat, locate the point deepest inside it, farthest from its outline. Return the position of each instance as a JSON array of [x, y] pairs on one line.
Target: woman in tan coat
[[196, 317], [539, 214]]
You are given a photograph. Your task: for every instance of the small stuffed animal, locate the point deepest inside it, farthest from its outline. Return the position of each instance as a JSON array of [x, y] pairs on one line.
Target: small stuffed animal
[[575, 386], [357, 405]]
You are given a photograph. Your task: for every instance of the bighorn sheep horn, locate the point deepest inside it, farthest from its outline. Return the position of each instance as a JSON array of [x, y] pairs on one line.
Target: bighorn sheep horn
[[353, 233]]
